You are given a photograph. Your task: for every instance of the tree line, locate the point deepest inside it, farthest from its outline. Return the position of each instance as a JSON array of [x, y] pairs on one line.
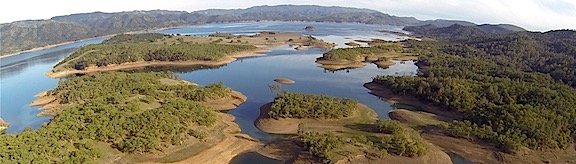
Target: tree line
[[298, 105], [132, 112]]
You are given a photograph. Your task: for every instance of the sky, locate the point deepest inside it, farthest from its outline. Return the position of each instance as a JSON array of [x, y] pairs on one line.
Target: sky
[[535, 15]]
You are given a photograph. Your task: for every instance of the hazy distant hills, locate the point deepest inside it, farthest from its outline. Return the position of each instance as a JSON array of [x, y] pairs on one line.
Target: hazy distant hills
[[461, 32], [310, 13], [305, 10], [22, 35]]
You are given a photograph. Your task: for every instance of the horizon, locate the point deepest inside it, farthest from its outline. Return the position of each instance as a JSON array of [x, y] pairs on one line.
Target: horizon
[[533, 15]]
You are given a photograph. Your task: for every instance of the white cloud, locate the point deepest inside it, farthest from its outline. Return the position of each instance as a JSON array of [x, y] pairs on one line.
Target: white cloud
[[531, 14]]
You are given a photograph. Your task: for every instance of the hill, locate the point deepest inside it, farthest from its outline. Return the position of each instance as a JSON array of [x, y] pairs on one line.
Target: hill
[[509, 87], [461, 32], [287, 9], [444, 23], [309, 13], [24, 35]]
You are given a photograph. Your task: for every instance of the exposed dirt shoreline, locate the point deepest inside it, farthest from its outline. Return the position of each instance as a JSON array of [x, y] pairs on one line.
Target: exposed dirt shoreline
[[141, 64]]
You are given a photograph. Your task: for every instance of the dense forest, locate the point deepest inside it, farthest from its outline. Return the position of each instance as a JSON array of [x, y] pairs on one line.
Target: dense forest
[[133, 113], [514, 90], [119, 87], [142, 47], [298, 105]]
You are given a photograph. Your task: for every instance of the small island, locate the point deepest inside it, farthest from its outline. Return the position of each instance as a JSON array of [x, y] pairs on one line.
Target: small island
[[380, 52], [131, 51], [352, 44], [333, 130], [284, 81], [397, 33], [310, 28], [134, 118]]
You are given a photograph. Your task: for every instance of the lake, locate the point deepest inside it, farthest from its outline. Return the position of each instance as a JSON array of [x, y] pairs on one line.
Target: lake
[[22, 76]]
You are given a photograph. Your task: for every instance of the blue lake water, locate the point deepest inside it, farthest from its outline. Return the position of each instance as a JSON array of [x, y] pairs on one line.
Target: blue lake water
[[22, 76]]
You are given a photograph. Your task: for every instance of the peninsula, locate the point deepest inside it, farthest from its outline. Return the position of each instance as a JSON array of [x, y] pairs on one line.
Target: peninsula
[[131, 51]]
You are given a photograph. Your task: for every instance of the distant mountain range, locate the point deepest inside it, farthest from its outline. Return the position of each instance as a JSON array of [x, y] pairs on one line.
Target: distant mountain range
[[459, 32], [23, 35]]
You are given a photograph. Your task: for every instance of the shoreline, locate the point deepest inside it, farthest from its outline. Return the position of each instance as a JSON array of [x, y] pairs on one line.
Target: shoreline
[[140, 64], [50, 105]]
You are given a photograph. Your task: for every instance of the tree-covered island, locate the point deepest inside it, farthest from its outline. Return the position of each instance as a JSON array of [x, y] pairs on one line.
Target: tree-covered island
[[129, 51], [379, 52]]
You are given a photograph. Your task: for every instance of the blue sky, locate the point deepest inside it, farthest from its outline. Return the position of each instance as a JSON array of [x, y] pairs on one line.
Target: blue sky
[[540, 15]]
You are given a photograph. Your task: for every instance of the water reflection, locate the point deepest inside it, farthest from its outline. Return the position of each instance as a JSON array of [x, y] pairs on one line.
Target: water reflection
[[457, 159], [253, 157]]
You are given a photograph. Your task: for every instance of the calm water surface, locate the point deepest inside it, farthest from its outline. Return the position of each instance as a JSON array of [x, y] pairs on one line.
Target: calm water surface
[[22, 76]]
